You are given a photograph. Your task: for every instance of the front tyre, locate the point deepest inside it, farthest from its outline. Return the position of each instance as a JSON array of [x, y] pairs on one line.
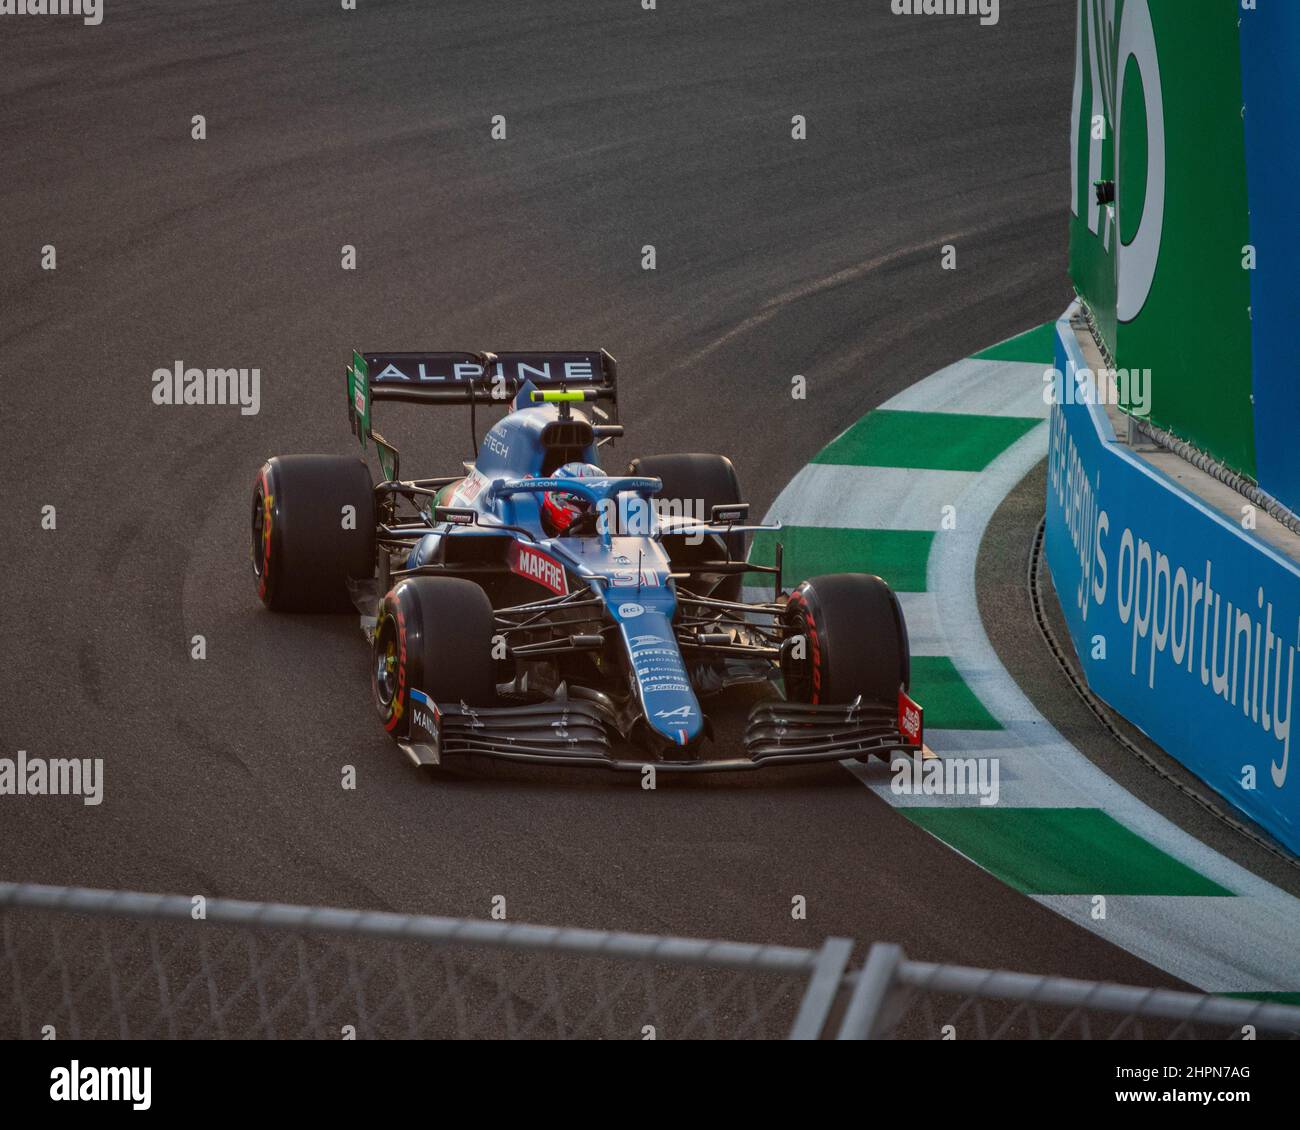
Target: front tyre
[[435, 635], [313, 529], [845, 636]]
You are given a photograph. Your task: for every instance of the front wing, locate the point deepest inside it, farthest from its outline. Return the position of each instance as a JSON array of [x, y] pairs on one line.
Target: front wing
[[573, 732]]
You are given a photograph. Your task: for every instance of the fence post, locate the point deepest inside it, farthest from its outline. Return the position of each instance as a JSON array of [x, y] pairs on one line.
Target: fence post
[[824, 983], [871, 992]]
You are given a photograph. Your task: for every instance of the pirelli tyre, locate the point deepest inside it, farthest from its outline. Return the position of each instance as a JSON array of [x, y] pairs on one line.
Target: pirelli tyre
[[845, 636], [699, 481], [313, 529], [433, 636]]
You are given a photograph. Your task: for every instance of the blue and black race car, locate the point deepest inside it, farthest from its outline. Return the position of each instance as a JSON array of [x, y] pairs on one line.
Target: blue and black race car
[[535, 608]]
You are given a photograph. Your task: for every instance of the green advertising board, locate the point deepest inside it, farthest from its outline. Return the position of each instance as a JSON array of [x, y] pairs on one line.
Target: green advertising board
[[1158, 112]]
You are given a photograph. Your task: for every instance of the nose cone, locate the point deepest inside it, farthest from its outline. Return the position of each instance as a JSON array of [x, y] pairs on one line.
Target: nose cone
[[671, 708], [682, 726]]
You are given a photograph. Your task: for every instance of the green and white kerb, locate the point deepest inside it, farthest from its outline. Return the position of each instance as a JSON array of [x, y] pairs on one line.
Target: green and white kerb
[[907, 492]]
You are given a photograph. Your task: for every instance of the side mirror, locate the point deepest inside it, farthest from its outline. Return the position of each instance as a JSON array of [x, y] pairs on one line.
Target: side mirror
[[729, 513], [455, 515]]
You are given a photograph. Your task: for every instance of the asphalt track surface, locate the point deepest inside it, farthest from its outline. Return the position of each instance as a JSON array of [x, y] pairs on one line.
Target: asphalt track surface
[[371, 128]]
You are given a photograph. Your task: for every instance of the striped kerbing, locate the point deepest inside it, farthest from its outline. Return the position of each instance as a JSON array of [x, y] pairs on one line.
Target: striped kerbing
[[907, 492]]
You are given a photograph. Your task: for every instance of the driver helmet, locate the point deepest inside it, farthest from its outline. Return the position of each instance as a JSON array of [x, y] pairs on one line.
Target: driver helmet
[[560, 509]]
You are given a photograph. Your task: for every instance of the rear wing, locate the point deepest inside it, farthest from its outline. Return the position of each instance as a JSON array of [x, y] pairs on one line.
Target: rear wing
[[467, 378]]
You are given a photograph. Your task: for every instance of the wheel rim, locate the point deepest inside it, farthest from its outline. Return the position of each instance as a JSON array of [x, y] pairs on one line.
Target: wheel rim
[[386, 665], [259, 532]]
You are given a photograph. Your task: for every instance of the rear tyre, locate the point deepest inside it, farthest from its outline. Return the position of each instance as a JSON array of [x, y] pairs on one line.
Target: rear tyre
[[855, 641], [306, 544], [433, 634], [700, 480]]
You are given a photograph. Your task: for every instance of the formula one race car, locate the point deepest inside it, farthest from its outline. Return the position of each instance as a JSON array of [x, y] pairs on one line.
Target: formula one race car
[[534, 608]]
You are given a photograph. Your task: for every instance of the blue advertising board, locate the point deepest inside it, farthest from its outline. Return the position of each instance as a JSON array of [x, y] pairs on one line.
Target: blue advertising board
[[1184, 621], [1270, 72]]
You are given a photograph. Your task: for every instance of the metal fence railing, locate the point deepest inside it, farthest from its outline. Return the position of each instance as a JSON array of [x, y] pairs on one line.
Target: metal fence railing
[[86, 964], [893, 996]]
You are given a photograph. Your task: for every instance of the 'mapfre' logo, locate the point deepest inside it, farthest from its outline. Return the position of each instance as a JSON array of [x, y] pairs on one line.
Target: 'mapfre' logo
[[540, 567]]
